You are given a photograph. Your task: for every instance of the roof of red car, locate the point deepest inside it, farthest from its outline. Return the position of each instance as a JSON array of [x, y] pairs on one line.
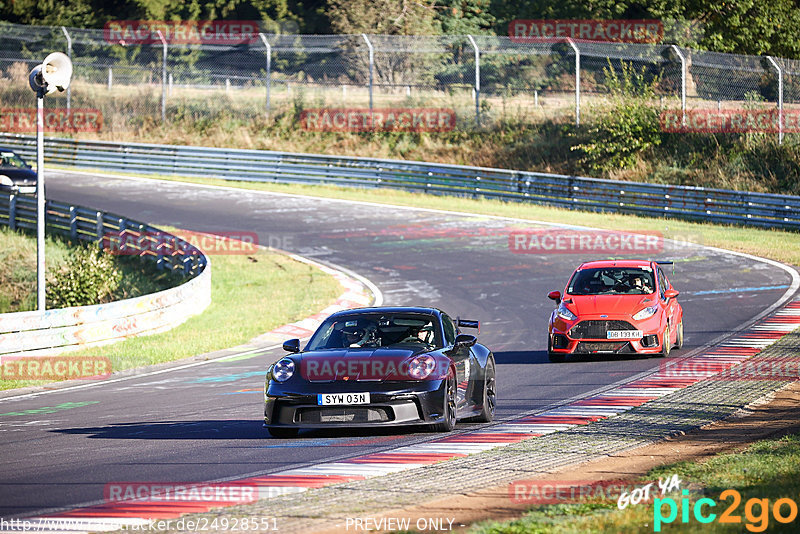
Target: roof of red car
[[614, 263]]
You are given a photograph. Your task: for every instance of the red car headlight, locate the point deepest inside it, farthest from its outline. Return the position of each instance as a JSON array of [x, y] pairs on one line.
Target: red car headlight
[[645, 313], [565, 313]]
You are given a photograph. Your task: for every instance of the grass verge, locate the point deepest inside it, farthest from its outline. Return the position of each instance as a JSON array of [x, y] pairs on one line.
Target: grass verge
[[779, 245], [250, 295], [18, 270], [765, 470]]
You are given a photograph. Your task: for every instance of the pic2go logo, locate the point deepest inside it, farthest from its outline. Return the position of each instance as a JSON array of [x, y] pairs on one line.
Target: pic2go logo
[[756, 511]]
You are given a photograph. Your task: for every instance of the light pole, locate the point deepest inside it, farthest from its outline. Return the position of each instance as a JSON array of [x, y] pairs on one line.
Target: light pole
[[53, 74]]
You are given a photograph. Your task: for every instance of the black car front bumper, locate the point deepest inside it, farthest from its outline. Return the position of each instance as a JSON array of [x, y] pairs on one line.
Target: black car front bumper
[[391, 403]]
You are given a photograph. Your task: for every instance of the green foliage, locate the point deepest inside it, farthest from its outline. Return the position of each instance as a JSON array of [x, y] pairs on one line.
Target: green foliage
[[755, 27], [462, 17], [383, 17], [89, 276], [628, 128]]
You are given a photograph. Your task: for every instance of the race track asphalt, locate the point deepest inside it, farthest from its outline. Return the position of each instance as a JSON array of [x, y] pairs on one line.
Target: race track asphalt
[[203, 422]]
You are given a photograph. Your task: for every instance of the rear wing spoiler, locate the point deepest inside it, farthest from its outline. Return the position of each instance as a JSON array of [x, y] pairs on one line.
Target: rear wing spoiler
[[665, 262], [466, 323]]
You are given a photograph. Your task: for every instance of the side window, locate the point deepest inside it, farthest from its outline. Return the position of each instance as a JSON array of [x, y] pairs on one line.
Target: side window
[[449, 330], [662, 282]]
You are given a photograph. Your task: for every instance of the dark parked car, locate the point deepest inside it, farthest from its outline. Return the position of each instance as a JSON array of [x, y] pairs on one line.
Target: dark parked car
[[15, 174], [382, 367]]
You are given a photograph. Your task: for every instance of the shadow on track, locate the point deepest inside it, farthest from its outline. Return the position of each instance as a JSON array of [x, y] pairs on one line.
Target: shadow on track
[[540, 357], [242, 429]]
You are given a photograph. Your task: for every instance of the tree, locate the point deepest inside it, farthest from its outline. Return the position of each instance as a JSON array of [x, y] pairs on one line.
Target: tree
[[384, 17], [461, 17]]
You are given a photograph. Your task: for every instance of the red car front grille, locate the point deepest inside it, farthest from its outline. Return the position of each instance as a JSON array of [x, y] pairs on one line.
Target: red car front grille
[[597, 329]]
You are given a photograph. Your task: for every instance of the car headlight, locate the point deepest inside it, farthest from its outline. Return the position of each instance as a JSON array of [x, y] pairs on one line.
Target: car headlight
[[564, 313], [5, 180], [421, 367], [283, 369], [645, 313]]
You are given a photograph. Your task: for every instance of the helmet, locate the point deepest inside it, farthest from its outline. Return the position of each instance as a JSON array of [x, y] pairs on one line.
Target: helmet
[[353, 334]]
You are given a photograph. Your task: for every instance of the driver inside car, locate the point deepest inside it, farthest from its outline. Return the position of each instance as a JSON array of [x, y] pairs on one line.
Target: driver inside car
[[359, 336], [640, 283], [422, 334]]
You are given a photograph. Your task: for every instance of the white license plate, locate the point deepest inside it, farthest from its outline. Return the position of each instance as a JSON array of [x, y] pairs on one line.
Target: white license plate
[[624, 334], [332, 399]]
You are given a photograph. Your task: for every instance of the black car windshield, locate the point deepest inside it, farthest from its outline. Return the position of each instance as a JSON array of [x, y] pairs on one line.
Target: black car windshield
[[612, 281], [372, 330], [10, 159]]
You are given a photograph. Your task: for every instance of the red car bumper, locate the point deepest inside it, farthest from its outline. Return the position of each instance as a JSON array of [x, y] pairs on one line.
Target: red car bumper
[[588, 335]]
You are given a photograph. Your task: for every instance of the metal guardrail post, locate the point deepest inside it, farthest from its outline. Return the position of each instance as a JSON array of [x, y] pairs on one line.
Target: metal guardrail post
[[780, 98], [269, 68], [477, 79], [73, 222], [99, 229], [371, 68], [577, 82], [683, 82], [12, 211], [69, 55], [163, 77]]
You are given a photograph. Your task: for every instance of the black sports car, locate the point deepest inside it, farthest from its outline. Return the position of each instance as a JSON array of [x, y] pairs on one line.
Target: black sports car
[[15, 174], [381, 367]]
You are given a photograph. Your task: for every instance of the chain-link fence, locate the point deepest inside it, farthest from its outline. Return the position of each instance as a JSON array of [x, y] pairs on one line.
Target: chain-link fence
[[480, 78]]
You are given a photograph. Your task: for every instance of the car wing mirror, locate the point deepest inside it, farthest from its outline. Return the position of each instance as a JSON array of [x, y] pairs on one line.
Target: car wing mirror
[[555, 295], [292, 345], [464, 341], [671, 293]]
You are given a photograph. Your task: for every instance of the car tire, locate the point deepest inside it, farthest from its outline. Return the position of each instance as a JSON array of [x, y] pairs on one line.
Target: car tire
[[283, 433], [554, 357], [449, 422], [666, 344], [679, 340], [489, 404]]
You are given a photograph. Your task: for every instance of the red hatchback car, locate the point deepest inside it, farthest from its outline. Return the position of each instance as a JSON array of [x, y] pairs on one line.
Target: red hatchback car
[[615, 307]]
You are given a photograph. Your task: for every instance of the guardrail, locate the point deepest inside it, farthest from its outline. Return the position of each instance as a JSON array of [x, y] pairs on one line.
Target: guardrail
[[36, 333], [694, 203]]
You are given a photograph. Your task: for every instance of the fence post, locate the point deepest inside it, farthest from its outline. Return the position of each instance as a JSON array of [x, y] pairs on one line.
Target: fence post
[[780, 98], [683, 83], [371, 66], [69, 55], [577, 82], [477, 80], [163, 77], [269, 68]]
